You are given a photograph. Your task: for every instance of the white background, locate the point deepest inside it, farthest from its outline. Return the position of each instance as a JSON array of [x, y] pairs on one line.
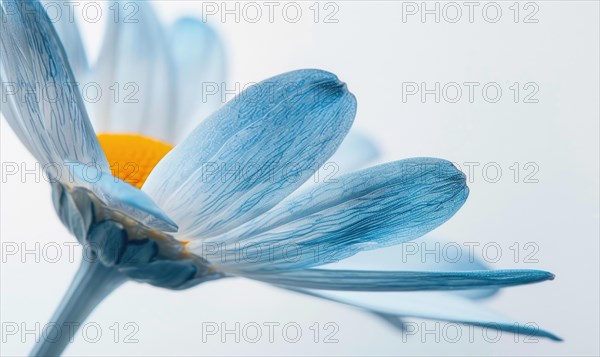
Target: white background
[[374, 52]]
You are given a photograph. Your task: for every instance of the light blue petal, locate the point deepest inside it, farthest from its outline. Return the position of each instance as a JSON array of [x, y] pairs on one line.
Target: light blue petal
[[253, 152], [432, 306], [374, 208], [355, 153], [424, 254], [135, 73], [40, 99], [121, 196], [364, 280], [68, 32], [199, 63]]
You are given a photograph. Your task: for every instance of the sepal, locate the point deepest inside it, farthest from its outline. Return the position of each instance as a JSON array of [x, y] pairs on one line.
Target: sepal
[[138, 252]]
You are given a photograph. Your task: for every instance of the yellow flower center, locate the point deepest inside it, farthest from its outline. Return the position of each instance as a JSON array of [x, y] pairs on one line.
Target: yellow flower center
[[132, 157]]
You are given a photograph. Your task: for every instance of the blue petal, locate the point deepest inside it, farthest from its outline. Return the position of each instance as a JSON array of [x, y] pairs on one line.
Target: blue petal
[[433, 306], [199, 63], [121, 196], [253, 152], [363, 280], [374, 208], [425, 254], [70, 37], [43, 105], [135, 72], [355, 153]]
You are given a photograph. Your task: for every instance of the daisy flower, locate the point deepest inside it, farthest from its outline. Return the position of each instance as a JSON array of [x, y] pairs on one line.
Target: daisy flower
[[230, 199]]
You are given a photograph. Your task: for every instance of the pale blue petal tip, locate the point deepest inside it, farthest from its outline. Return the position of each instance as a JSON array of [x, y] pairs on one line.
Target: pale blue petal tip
[[524, 331], [396, 306], [356, 152]]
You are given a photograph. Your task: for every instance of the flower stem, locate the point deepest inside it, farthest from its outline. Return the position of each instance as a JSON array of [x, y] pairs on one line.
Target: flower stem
[[93, 282]]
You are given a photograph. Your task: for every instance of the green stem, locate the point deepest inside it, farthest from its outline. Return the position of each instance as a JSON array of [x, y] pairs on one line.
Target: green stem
[[93, 282]]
